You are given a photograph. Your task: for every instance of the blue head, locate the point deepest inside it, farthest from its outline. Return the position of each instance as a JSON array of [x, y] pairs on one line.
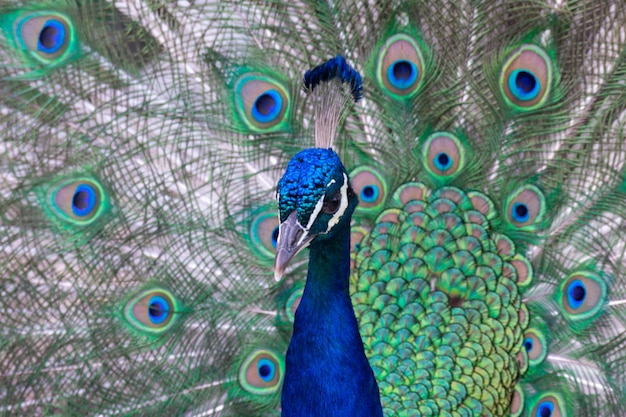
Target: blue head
[[314, 199]]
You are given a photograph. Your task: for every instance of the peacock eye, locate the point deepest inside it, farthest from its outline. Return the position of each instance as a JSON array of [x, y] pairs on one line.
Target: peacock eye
[[526, 78], [526, 207], [262, 372], [535, 345], [152, 311], [262, 102], [444, 155], [331, 205], [549, 405], [400, 66], [48, 37], [371, 188], [78, 200], [582, 296]]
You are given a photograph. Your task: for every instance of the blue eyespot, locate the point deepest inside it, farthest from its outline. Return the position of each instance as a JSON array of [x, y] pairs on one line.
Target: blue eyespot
[[48, 37], [83, 200], [371, 187], [535, 345], [51, 37], [523, 84], [520, 212], [369, 193], [544, 409], [583, 296], [267, 106], [443, 155], [402, 74], [262, 103], [152, 311], [576, 294], [442, 161], [261, 372], [275, 237], [158, 309], [526, 207], [401, 66], [78, 201], [526, 78], [266, 369], [528, 344]]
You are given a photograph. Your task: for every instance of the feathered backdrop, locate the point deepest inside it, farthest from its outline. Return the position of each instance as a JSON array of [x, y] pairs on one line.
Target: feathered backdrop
[[141, 146]]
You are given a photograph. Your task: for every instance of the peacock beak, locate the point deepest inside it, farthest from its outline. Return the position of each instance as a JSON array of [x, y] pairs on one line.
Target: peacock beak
[[292, 238]]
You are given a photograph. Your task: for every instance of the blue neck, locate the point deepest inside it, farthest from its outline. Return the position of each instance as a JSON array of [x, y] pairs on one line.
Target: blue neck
[[327, 373]]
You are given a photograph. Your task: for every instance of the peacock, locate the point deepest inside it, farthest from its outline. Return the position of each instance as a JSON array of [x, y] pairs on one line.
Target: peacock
[[160, 176]]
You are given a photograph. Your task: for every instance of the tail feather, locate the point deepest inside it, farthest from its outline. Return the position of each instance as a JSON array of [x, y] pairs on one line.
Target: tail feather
[[141, 147]]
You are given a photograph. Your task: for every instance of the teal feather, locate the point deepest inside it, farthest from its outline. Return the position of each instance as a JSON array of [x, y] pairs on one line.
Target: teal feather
[[487, 250]]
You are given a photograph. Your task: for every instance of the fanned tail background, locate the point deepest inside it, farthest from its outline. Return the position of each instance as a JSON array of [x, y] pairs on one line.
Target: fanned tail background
[[142, 142]]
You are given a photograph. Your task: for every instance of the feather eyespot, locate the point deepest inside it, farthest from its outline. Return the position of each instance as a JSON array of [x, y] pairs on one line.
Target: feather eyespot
[[369, 193], [545, 409], [78, 201], [400, 68], [48, 37], [151, 311], [261, 372], [332, 204], [526, 77], [264, 233], [526, 207], [520, 212], [262, 102], [548, 405], [370, 187], [443, 155], [535, 345], [582, 295]]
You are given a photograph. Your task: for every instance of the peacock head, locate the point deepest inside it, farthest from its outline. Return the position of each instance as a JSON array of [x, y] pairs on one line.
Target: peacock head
[[314, 197]]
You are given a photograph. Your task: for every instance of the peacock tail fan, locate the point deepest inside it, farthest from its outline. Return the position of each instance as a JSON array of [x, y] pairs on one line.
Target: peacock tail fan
[[142, 142]]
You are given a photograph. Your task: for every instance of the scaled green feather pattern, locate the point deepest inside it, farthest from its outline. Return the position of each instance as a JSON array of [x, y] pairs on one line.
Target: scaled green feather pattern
[[441, 315], [140, 147]]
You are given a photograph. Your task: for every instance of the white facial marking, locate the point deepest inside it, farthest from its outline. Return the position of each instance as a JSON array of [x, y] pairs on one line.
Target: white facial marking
[[342, 206], [279, 227], [316, 211], [320, 203]]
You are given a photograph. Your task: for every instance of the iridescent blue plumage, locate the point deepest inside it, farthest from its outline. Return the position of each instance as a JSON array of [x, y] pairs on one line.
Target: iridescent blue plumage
[[305, 180], [327, 373]]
